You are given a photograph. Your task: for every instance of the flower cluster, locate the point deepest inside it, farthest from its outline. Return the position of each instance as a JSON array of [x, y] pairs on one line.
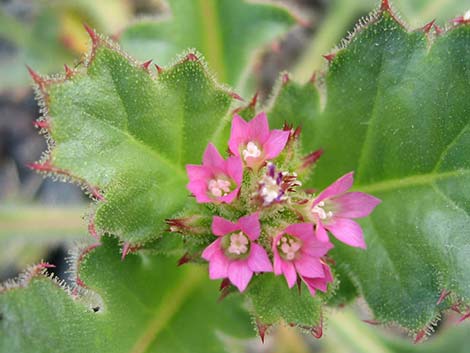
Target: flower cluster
[[261, 219]]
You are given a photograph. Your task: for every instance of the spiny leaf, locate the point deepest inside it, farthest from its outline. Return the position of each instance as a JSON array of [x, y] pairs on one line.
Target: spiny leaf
[[397, 112], [126, 135], [144, 304], [227, 32]]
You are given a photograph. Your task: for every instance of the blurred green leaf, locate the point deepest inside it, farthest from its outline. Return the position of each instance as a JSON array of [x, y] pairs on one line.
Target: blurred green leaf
[[226, 32], [142, 304]]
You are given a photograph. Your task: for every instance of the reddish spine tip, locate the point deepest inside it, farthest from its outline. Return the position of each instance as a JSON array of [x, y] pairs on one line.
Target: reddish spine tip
[[444, 294], [254, 100], [184, 259], [91, 32], [35, 76], [317, 332], [236, 96], [464, 317], [262, 328], [427, 28], [79, 282], [385, 5], [372, 322], [330, 57], [92, 229], [438, 29], [68, 71], [95, 193], [45, 265], [125, 250], [46, 167], [420, 336], [159, 69], [285, 78], [192, 57], [41, 124], [224, 284], [313, 78], [146, 64]]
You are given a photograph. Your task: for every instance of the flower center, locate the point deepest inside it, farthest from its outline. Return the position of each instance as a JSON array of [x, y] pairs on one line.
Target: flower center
[[270, 189], [288, 246], [219, 187], [251, 150], [236, 245], [320, 212]]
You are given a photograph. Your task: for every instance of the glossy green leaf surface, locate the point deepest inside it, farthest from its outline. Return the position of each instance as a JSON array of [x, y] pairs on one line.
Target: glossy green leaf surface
[[142, 304], [130, 133], [397, 113], [226, 32]]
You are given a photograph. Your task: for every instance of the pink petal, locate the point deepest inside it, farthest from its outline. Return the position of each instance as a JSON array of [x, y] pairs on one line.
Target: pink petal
[[277, 262], [322, 235], [218, 266], [198, 172], [240, 274], [211, 250], [259, 128], [250, 226], [259, 260], [220, 226], [230, 196], [309, 266], [355, 204], [239, 134], [300, 230], [289, 272], [213, 159], [199, 189], [275, 144], [316, 248], [341, 185], [319, 283], [347, 231], [234, 169], [310, 286]]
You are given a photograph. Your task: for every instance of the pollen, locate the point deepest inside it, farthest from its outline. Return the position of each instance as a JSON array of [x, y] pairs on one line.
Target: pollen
[[319, 211], [251, 150], [218, 187], [238, 244], [289, 247]]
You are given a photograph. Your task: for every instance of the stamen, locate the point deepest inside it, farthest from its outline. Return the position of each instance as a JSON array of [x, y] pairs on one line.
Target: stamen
[[320, 212], [219, 187], [251, 150], [289, 247], [238, 244]]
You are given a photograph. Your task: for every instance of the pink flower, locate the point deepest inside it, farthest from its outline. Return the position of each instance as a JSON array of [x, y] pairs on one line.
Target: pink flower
[[333, 209], [297, 251], [253, 142], [235, 254], [217, 180]]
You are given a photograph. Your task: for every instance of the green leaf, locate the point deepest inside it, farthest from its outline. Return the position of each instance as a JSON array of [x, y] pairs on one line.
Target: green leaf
[[118, 128], [227, 32], [142, 304], [273, 302], [397, 113]]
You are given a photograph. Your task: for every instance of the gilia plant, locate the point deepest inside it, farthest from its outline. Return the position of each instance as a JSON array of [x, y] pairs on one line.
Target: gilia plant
[[266, 215]]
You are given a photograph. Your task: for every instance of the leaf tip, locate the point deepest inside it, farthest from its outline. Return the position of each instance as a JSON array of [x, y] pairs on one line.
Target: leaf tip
[[68, 71], [159, 69], [262, 328], [146, 64], [236, 96], [420, 336], [191, 57], [427, 27], [330, 57], [444, 294], [93, 35], [38, 79]]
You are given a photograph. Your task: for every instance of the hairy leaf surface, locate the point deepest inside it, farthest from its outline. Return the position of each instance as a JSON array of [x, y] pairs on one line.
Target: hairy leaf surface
[[142, 304], [397, 113], [128, 133]]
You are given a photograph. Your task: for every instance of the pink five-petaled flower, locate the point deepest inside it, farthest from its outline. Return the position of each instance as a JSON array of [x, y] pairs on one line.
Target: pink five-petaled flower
[[253, 141], [216, 180], [296, 250], [235, 254], [333, 209]]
